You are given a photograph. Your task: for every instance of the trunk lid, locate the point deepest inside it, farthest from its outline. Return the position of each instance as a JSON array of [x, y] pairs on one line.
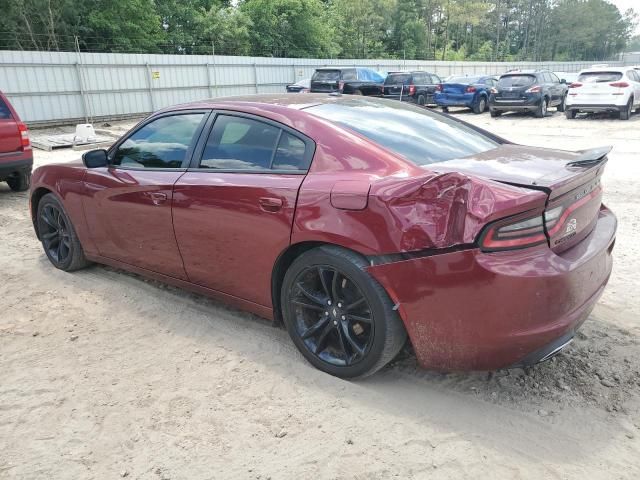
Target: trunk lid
[[570, 179], [326, 81], [454, 88]]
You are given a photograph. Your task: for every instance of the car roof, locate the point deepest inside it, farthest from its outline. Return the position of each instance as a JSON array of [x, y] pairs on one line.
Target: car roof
[[337, 67], [604, 68]]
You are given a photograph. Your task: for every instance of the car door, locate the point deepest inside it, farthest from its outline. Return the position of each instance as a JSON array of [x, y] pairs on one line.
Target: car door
[[555, 87], [128, 203], [635, 81], [233, 209]]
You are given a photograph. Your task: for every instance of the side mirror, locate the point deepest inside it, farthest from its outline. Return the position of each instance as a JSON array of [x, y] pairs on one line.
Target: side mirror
[[563, 81], [95, 158]]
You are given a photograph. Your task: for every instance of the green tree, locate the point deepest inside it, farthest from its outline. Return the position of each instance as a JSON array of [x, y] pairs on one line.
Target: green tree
[[227, 30]]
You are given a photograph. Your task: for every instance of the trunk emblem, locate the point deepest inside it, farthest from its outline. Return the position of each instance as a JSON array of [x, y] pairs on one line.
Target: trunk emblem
[[572, 226]]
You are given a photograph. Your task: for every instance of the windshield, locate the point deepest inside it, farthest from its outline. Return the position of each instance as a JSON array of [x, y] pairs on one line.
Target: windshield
[[514, 81], [465, 80], [420, 136], [398, 78], [599, 77], [326, 76]]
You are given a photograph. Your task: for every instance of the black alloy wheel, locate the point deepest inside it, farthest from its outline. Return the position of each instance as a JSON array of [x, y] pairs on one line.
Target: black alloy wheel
[[339, 317], [332, 316]]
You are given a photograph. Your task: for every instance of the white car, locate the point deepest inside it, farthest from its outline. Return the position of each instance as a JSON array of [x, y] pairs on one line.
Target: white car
[[605, 89]]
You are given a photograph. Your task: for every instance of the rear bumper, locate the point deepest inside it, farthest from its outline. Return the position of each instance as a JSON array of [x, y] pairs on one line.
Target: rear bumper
[[596, 108], [405, 98], [446, 100], [13, 165], [522, 105], [469, 310]]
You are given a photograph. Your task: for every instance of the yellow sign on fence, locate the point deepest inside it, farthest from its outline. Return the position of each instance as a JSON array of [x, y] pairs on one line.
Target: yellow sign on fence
[[155, 75]]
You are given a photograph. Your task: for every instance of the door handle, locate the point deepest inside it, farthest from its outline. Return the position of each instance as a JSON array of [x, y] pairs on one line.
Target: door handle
[[270, 204], [158, 197]]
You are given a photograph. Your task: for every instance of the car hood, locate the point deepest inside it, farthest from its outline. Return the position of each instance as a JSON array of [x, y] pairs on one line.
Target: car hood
[[533, 167]]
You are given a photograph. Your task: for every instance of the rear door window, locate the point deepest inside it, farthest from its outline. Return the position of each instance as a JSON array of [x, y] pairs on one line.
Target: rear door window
[[5, 113], [599, 77], [349, 75], [239, 143], [516, 81], [398, 78]]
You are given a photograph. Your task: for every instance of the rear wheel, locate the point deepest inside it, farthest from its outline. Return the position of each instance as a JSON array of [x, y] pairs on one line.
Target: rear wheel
[[20, 182], [481, 106], [357, 92], [541, 111], [338, 316], [445, 109], [570, 114], [625, 113], [422, 100], [58, 237]]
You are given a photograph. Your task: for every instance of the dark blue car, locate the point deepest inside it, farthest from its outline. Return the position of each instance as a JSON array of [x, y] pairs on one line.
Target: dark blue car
[[472, 92]]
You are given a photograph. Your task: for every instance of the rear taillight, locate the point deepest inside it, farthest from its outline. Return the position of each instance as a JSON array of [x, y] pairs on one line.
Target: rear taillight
[[513, 233], [412, 89], [575, 85], [619, 84], [439, 87], [24, 136], [535, 89], [470, 89], [340, 85]]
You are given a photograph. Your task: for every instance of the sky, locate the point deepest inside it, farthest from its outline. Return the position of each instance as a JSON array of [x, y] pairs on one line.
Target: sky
[[626, 4]]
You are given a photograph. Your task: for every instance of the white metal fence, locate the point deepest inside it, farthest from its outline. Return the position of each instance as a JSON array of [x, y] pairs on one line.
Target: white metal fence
[[69, 87]]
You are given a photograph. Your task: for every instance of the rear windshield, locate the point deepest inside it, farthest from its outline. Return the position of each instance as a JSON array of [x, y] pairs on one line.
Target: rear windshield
[[514, 81], [5, 113], [421, 136], [398, 78], [465, 80], [326, 76], [599, 77]]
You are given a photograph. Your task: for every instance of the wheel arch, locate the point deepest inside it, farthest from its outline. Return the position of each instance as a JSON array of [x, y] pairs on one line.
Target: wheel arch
[[34, 201], [282, 264]]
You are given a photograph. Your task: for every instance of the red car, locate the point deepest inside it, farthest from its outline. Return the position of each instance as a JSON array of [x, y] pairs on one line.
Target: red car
[[356, 221], [16, 156]]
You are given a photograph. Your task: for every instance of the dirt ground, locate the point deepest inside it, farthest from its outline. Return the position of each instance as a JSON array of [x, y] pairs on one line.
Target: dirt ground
[[106, 375]]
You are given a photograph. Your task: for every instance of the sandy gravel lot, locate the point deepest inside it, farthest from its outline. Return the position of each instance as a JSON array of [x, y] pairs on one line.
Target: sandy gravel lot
[[106, 375]]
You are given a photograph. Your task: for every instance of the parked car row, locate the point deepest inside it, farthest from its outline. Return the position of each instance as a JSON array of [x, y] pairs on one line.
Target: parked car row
[[598, 89]]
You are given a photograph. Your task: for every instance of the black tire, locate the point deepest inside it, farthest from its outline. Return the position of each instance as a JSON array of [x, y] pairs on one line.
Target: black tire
[[422, 101], [336, 279], [445, 109], [562, 105], [541, 111], [570, 114], [481, 106], [58, 237], [357, 92], [20, 182], [495, 113], [626, 113]]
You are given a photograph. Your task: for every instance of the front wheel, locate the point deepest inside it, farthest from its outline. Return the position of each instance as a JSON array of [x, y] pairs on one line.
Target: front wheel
[[338, 316], [20, 182], [445, 109], [563, 104], [481, 106], [58, 237]]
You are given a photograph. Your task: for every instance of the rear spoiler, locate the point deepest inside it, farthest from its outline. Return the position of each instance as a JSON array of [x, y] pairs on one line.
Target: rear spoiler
[[591, 157]]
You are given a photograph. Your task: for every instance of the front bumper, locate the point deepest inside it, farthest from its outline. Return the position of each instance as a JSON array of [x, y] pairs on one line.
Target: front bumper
[[469, 310], [9, 168]]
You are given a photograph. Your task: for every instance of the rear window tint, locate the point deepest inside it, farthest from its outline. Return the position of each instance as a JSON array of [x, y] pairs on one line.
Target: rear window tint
[[5, 113], [516, 81], [422, 137], [326, 76], [464, 80], [599, 77], [396, 79]]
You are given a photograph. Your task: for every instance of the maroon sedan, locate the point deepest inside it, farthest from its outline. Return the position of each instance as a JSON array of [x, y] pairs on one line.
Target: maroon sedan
[[355, 221]]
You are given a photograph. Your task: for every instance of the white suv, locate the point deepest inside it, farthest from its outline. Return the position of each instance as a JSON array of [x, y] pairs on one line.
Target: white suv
[[605, 89]]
